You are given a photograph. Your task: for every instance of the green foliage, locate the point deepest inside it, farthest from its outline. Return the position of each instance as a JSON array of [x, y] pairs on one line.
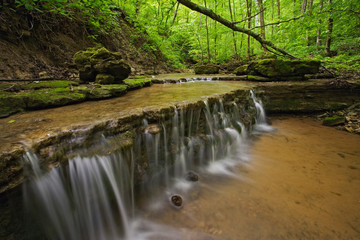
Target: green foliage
[[182, 37]]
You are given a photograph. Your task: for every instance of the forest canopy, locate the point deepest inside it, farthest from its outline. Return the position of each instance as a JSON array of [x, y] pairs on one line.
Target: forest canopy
[[304, 28]]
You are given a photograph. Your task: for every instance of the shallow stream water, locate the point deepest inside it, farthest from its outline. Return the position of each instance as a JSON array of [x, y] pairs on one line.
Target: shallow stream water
[[300, 182]]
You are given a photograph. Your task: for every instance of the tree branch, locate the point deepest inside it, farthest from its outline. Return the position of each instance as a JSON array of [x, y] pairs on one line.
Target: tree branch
[[223, 21], [246, 19], [279, 22]]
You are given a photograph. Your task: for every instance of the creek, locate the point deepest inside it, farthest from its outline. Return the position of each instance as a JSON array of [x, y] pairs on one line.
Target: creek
[[235, 176]]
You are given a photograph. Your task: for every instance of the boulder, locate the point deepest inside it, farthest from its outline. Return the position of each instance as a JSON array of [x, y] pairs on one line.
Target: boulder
[[206, 69], [277, 68], [102, 78], [241, 70], [100, 61]]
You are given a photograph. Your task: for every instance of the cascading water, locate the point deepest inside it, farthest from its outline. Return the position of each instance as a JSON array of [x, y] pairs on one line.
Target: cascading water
[[94, 197], [261, 124]]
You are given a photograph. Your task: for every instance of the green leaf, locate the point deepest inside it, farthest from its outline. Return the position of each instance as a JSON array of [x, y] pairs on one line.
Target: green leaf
[[11, 121]]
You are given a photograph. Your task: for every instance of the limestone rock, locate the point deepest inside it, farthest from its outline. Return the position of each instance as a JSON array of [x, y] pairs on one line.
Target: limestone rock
[[100, 61], [273, 68], [206, 69], [242, 70], [102, 78]]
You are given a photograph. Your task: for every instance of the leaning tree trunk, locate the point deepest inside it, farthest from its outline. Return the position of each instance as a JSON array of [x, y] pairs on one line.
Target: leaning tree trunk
[[233, 26]]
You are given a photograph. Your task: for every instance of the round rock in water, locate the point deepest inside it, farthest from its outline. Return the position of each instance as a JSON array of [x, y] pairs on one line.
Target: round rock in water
[[192, 176], [176, 200]]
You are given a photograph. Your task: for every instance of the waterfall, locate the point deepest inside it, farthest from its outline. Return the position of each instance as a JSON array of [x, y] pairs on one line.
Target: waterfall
[[94, 197], [261, 123]]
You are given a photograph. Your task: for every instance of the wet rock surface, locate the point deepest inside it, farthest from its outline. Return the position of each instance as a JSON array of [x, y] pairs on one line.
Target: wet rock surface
[[176, 200], [192, 176]]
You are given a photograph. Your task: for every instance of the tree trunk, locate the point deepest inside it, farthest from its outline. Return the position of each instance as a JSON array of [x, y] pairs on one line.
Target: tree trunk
[[262, 21], [175, 13], [303, 6], [248, 14], [232, 26], [207, 35], [137, 10], [329, 33], [233, 33], [318, 33], [278, 8], [215, 30]]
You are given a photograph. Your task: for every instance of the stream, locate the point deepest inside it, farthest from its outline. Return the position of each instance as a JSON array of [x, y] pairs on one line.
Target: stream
[[214, 169], [301, 182]]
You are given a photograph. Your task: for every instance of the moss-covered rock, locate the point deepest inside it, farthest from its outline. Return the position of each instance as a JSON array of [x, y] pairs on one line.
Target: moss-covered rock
[[206, 69], [106, 91], [333, 121], [137, 83], [51, 98], [274, 68], [94, 61], [242, 70], [10, 104], [257, 78], [102, 78]]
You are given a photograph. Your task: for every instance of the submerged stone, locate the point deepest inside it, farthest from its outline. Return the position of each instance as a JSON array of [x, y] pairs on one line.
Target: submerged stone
[[176, 200], [192, 176], [206, 69]]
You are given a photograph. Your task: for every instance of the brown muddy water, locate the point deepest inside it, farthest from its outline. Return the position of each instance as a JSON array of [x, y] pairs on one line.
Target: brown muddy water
[[301, 182]]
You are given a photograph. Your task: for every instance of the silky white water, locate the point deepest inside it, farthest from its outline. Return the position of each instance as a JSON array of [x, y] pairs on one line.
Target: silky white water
[[94, 197]]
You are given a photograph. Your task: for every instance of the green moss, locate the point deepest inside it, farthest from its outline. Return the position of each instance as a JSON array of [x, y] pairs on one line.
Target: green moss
[[257, 78], [242, 70], [273, 68], [10, 103], [43, 98], [137, 83], [206, 69], [106, 91], [333, 121]]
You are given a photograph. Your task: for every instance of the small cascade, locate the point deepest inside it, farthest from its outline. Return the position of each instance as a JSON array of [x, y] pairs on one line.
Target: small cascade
[[261, 123], [85, 200], [94, 197]]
